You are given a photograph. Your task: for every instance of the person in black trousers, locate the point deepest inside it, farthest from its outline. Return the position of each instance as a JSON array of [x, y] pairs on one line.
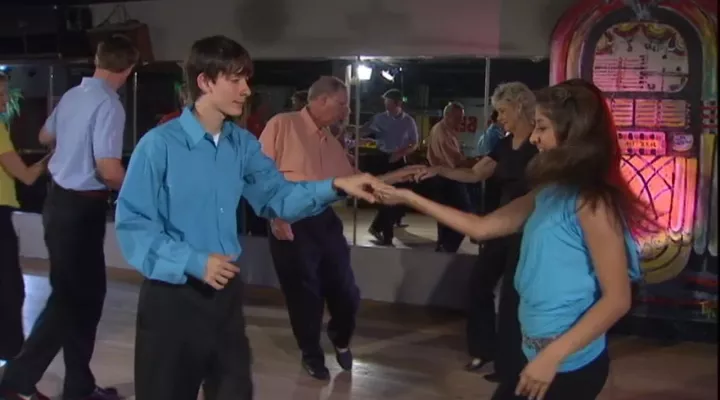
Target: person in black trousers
[[12, 286], [491, 336], [397, 137], [88, 121]]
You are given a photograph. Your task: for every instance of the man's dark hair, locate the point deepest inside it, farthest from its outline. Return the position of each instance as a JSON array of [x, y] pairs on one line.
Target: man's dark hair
[[494, 117], [393, 94], [116, 54], [214, 56]]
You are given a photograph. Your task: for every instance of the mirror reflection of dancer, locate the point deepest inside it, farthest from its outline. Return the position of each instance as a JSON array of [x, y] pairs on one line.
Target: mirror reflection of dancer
[[397, 137], [12, 285], [175, 222], [86, 128], [311, 256], [492, 337], [577, 255]]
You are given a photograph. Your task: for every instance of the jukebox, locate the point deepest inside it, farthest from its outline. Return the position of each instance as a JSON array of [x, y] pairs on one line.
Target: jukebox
[[656, 63]]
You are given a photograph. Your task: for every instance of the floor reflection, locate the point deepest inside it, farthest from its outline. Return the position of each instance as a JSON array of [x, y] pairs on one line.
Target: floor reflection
[[402, 352]]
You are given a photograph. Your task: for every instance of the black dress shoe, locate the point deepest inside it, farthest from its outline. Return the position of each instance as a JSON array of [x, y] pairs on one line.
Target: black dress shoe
[[492, 377], [316, 369], [476, 364], [344, 358]]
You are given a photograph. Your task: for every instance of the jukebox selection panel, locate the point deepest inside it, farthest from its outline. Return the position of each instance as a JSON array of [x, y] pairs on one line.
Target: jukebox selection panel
[[643, 69], [653, 127]]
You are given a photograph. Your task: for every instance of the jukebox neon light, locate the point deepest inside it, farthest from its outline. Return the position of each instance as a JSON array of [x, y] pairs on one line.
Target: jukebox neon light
[[656, 63]]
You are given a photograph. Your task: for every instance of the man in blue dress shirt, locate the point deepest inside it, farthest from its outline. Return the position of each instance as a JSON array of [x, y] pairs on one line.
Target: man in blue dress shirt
[[397, 136], [175, 222], [86, 129]]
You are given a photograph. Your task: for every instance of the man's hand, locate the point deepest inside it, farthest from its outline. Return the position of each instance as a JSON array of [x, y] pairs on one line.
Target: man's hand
[[362, 186], [281, 230], [219, 270], [403, 174]]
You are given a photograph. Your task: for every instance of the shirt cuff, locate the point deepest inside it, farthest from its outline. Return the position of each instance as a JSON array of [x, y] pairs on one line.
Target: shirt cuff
[[326, 193], [196, 265]]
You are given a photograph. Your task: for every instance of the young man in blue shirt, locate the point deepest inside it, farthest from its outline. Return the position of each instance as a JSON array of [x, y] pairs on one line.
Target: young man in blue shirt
[[86, 129], [176, 224]]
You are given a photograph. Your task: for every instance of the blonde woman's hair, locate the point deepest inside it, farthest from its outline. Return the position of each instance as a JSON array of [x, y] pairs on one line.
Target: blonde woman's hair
[[516, 94]]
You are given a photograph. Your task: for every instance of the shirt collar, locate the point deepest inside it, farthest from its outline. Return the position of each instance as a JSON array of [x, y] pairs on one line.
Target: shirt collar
[[195, 131], [309, 122], [100, 83]]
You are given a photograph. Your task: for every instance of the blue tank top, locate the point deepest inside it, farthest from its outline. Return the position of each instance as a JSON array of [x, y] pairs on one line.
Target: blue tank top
[[555, 276]]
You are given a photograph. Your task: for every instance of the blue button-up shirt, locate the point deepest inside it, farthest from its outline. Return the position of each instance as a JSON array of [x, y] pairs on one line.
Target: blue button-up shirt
[[178, 201], [394, 133], [488, 140], [88, 123]]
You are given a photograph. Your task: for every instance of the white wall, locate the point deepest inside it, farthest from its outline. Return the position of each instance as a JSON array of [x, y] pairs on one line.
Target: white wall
[[322, 28], [383, 274], [329, 28]]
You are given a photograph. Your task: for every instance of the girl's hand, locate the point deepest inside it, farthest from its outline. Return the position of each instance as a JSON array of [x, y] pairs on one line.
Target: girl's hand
[[392, 195], [536, 377]]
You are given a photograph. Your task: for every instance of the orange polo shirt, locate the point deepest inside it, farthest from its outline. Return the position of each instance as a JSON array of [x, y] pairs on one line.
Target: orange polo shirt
[[443, 147], [301, 150]]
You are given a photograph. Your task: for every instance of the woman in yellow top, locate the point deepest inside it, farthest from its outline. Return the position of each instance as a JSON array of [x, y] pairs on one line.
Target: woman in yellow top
[[12, 288]]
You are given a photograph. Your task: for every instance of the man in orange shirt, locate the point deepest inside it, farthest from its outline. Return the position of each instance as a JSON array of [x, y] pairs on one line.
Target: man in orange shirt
[[311, 256], [444, 151]]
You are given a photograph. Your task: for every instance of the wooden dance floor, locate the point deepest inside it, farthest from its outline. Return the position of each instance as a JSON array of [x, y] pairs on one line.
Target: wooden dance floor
[[420, 233], [402, 353]]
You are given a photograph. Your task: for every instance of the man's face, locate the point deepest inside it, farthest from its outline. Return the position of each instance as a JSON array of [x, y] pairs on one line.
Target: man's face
[[228, 93], [454, 118], [334, 107], [392, 106]]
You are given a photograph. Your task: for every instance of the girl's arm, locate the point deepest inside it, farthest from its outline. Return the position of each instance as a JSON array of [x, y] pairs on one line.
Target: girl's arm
[[505, 221], [482, 170], [14, 165], [605, 239]]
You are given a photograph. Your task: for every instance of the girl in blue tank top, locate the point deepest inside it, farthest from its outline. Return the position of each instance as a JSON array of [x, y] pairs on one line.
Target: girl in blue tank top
[[578, 255]]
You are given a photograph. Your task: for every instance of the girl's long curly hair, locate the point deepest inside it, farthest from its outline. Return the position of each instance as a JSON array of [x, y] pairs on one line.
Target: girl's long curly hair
[[588, 155]]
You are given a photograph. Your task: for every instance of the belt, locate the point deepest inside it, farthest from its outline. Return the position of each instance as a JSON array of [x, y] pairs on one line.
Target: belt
[[537, 344], [95, 194]]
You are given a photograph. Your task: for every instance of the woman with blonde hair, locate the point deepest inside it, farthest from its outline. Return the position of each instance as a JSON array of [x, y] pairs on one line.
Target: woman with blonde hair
[[578, 255], [492, 337]]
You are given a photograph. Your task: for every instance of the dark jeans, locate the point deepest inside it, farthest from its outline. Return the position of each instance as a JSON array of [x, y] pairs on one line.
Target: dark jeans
[[453, 194], [12, 288], [387, 216], [314, 269], [74, 224], [191, 335], [585, 383]]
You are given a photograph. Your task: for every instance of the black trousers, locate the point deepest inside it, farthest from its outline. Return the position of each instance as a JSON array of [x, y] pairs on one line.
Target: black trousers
[[453, 194], [387, 216], [585, 383], [191, 335], [12, 288], [509, 358], [250, 223], [314, 270], [481, 325], [74, 224]]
